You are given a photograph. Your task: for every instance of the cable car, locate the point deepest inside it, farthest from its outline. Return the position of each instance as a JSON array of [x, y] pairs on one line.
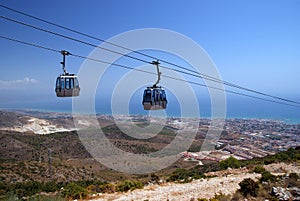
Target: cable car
[[154, 97], [67, 85]]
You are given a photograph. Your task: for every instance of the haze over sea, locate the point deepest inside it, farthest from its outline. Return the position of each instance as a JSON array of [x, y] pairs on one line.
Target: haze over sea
[[238, 108]]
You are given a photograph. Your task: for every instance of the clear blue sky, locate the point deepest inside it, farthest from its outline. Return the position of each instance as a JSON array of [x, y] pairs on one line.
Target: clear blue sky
[[254, 43]]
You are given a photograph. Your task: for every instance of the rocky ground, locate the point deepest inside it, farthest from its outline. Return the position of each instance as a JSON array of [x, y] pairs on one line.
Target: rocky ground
[[226, 182], [203, 188]]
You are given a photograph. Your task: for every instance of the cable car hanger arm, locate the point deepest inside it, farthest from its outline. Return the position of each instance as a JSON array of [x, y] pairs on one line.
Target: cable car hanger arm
[[63, 63], [156, 63]]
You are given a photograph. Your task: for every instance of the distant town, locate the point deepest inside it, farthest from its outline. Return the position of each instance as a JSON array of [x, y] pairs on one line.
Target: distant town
[[44, 149], [241, 138]]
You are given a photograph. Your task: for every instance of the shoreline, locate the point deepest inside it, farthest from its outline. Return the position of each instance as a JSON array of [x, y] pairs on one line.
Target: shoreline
[[288, 121]]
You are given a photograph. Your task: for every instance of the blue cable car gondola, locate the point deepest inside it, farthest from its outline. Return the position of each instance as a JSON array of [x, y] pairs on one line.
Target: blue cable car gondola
[[67, 85], [154, 97]]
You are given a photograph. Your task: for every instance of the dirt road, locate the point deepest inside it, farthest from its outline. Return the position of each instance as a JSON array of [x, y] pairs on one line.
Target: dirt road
[[226, 182], [203, 188]]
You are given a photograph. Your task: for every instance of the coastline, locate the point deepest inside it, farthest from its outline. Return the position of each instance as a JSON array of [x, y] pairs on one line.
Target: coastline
[[285, 120]]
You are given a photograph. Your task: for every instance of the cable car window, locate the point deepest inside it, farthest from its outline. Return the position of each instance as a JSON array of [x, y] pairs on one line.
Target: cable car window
[[153, 96], [163, 95], [71, 83], [147, 96], [76, 83], [58, 82], [62, 81], [67, 83]]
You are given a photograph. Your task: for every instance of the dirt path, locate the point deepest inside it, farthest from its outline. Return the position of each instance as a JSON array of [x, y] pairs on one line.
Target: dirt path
[[203, 188]]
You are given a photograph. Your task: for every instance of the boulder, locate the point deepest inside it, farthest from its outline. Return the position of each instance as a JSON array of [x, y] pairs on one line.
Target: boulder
[[281, 194]]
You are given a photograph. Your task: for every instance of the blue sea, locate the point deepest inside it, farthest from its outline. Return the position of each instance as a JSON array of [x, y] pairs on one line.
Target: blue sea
[[235, 109]]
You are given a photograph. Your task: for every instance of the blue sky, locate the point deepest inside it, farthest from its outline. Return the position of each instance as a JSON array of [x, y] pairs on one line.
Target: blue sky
[[253, 43]]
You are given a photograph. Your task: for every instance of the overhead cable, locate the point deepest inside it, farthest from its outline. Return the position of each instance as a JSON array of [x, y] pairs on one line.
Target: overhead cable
[[143, 71], [144, 61]]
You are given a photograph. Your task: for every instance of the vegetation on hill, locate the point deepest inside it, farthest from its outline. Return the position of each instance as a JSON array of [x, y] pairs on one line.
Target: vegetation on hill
[[69, 190], [263, 188], [291, 155], [84, 188], [230, 162], [59, 165]]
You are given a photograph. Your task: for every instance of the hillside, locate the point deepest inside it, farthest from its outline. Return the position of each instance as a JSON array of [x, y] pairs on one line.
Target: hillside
[[33, 157], [27, 156], [222, 183], [34, 122]]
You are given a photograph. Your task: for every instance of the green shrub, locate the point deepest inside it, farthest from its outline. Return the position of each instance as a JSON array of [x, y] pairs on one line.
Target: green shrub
[[272, 198], [230, 162], [74, 191], [293, 180], [154, 178], [294, 176], [179, 174], [3, 188], [267, 177], [46, 198], [220, 197], [282, 157], [50, 187], [297, 157], [9, 196], [249, 186], [107, 188], [184, 175], [259, 169], [237, 196], [92, 188], [129, 185], [269, 160], [27, 188]]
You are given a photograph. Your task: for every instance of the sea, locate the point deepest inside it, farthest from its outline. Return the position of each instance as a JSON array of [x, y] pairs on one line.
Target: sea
[[234, 109]]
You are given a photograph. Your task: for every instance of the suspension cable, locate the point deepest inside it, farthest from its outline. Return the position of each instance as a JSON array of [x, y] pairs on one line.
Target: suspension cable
[[199, 75], [144, 71]]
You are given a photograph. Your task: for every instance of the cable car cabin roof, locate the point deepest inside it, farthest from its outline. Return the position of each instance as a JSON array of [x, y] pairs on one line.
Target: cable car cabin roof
[[154, 88], [68, 76]]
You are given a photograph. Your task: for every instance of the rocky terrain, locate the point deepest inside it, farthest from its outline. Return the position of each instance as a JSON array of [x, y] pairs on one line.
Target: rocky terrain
[[45, 147], [224, 182], [203, 188], [27, 123]]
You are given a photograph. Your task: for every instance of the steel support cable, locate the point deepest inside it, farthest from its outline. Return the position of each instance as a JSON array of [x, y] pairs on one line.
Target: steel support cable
[[29, 44], [78, 32], [143, 71], [199, 76], [203, 76], [232, 85], [101, 40], [71, 38]]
